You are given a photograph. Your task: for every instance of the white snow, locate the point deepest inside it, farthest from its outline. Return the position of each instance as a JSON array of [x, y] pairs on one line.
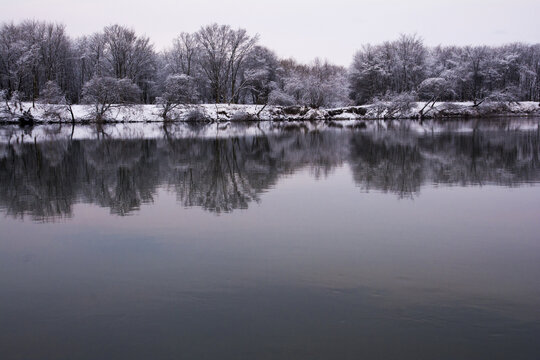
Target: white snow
[[232, 112]]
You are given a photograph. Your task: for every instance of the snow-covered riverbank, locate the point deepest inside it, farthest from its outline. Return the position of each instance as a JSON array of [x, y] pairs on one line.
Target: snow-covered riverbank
[[45, 113]]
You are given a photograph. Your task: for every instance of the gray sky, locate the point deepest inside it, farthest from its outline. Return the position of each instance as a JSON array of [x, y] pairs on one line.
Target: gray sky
[[300, 29]]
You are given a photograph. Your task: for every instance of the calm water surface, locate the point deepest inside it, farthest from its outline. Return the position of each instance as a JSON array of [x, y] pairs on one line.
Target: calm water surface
[[298, 244]]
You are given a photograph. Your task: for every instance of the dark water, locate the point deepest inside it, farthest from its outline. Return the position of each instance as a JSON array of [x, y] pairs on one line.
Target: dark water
[[330, 244]]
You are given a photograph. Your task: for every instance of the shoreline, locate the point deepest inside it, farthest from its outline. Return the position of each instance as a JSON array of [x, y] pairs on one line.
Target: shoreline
[[16, 134], [224, 113]]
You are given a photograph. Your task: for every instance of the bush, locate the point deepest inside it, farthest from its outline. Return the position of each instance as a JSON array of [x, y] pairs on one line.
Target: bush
[[242, 116], [394, 105], [278, 97], [195, 115]]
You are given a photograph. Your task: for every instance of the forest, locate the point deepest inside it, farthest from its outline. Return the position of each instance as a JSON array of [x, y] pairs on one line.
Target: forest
[[40, 62]]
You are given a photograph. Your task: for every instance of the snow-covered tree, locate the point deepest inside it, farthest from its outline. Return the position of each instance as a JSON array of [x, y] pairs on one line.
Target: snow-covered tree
[[395, 67], [51, 93], [320, 84], [120, 53], [223, 52], [226, 65], [54, 101], [32, 53], [260, 74], [105, 93], [178, 89], [369, 75]]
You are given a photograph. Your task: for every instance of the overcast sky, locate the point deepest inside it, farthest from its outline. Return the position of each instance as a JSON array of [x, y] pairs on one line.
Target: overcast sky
[[331, 29]]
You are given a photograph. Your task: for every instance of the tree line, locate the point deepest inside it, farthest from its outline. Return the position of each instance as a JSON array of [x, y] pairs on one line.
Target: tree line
[[39, 61]]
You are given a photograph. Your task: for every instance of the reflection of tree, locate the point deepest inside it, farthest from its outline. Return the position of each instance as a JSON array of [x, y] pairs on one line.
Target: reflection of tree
[[45, 179], [227, 174], [120, 174], [37, 178], [401, 162], [218, 174], [386, 163], [506, 158], [218, 178]]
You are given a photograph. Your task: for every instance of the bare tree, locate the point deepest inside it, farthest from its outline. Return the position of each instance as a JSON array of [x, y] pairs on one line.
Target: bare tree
[[223, 52], [105, 93], [178, 90]]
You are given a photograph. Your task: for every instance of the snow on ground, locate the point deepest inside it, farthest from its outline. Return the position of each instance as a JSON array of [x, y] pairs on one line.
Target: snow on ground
[[44, 113]]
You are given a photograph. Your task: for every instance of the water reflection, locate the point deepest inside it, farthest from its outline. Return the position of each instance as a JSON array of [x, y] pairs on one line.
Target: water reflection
[[222, 173], [320, 270], [401, 164]]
